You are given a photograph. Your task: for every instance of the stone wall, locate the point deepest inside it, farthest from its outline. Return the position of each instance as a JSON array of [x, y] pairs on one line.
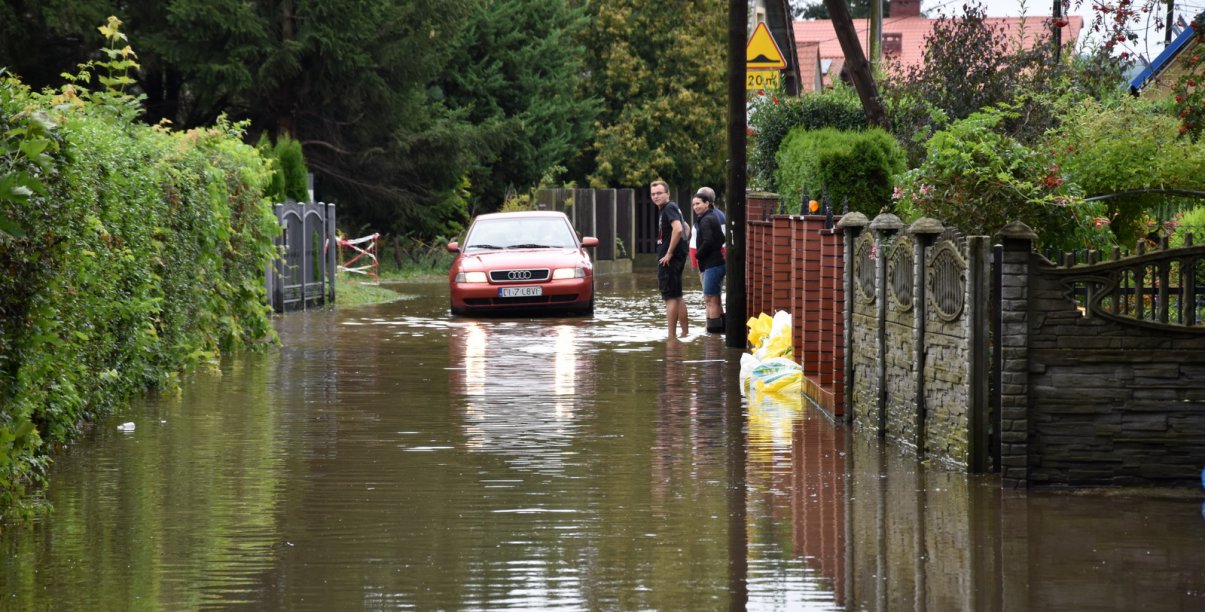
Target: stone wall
[[1110, 403], [1081, 398], [914, 365]]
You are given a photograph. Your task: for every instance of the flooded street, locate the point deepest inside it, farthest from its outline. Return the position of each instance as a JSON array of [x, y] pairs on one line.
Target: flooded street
[[389, 457]]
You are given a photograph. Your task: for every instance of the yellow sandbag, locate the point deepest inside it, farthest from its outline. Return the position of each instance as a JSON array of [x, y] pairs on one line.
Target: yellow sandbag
[[782, 384], [759, 328]]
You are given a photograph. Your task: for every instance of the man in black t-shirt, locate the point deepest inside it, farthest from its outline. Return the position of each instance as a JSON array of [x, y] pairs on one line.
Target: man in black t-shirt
[[671, 255]]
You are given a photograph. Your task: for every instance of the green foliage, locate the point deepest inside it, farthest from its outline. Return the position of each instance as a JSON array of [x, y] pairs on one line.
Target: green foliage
[[515, 78], [141, 255], [978, 179], [288, 179], [291, 166], [659, 70], [1189, 88], [1190, 221], [774, 115], [967, 68], [354, 290], [357, 82], [855, 167], [1130, 145], [410, 257]]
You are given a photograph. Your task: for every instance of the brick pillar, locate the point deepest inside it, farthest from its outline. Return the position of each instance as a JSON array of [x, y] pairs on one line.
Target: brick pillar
[[832, 297], [780, 263], [1018, 241], [812, 306], [758, 209], [798, 276]]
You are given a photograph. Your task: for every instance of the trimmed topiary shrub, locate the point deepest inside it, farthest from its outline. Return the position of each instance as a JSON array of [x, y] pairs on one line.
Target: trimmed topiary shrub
[[774, 115], [853, 166]]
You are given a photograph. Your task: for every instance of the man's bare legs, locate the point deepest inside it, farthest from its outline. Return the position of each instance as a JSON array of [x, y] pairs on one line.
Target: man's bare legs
[[675, 314], [714, 308]]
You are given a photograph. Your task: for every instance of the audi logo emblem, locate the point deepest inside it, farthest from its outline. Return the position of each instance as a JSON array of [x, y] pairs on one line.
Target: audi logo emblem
[[518, 275]]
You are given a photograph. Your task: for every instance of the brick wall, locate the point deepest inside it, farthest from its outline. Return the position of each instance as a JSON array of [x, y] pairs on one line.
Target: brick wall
[[796, 263]]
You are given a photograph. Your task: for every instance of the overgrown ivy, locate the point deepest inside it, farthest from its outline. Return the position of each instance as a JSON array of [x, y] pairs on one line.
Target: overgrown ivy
[[131, 254]]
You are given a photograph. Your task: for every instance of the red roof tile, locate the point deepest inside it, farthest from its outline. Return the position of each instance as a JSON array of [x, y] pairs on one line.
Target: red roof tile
[[913, 31]]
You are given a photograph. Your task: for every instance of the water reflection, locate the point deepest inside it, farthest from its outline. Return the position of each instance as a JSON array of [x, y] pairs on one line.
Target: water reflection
[[520, 386], [391, 458]]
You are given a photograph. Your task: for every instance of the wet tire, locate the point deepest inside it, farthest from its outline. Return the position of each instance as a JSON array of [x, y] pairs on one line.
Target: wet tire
[[588, 308]]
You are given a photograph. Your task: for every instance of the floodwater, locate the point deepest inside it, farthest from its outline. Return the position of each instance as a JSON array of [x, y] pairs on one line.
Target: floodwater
[[389, 457]]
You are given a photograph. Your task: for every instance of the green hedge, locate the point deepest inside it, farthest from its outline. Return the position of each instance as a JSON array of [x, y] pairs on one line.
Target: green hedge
[[128, 254], [774, 115], [857, 166]]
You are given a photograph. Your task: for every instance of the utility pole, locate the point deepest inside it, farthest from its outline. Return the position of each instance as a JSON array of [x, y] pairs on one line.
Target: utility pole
[[875, 34], [734, 327], [856, 64]]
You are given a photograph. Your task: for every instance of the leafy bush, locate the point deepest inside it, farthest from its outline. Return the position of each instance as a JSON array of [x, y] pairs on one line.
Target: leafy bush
[[1188, 222], [854, 166], [971, 64], [774, 115], [1131, 145], [978, 179], [138, 254]]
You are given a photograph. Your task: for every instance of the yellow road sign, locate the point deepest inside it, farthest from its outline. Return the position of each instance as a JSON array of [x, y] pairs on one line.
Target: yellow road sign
[[761, 53], [762, 79]]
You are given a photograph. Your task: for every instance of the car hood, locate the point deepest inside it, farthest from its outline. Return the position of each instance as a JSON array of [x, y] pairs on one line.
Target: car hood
[[522, 258]]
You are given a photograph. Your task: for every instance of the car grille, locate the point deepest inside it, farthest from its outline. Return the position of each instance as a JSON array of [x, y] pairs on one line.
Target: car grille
[[520, 276]]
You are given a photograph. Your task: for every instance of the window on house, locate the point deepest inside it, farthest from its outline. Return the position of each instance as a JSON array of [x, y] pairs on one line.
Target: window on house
[[893, 43]]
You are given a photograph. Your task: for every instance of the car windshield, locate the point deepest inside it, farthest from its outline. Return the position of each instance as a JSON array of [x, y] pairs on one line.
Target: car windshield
[[520, 233]]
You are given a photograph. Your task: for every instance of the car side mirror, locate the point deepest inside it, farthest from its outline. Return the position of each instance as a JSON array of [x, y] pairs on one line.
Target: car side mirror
[[453, 247], [589, 241]]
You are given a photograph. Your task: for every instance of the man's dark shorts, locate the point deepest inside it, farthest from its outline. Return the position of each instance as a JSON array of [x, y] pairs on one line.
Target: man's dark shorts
[[669, 278]]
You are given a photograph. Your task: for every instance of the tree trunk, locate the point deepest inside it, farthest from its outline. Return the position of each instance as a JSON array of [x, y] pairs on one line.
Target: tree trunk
[[856, 64]]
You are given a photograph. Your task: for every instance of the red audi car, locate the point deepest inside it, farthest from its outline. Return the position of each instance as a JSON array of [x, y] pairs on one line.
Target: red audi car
[[522, 261]]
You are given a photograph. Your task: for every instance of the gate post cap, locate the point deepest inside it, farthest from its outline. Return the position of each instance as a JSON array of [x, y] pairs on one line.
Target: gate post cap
[[886, 222], [853, 219], [1017, 231], [926, 226]]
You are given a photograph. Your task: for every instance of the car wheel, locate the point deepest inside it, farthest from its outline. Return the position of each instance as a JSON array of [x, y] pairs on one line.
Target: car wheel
[[456, 311]]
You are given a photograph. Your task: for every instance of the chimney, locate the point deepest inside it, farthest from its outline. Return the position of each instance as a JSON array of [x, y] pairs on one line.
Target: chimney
[[905, 8]]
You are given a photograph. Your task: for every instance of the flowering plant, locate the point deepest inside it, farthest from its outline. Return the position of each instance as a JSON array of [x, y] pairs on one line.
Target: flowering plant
[[1189, 89]]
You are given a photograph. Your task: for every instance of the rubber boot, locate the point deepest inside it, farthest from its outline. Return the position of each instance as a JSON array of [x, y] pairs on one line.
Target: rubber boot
[[716, 325]]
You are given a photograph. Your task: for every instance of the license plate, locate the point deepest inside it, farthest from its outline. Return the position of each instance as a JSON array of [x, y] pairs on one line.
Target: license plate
[[520, 292]]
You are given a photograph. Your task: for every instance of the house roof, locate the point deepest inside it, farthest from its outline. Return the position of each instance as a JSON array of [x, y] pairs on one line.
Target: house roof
[[914, 30], [1165, 59]]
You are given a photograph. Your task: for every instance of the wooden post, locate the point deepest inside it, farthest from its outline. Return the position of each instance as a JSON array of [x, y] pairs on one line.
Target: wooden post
[[738, 15]]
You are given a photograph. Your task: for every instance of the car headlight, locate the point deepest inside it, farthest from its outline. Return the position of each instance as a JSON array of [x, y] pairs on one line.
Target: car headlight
[[471, 277], [563, 273]]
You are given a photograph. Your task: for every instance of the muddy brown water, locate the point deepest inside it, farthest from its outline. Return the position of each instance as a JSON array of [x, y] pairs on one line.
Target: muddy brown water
[[389, 457]]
